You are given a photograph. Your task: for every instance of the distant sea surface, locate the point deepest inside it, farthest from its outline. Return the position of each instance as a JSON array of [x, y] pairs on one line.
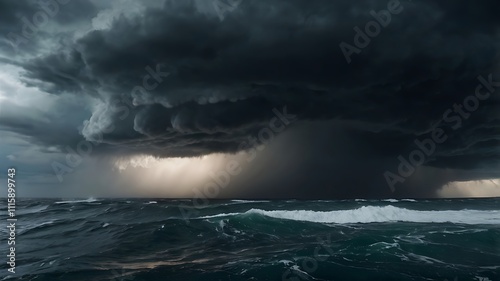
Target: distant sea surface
[[145, 239]]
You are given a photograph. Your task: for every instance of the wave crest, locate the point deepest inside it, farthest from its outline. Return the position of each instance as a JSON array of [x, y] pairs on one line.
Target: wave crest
[[373, 214]]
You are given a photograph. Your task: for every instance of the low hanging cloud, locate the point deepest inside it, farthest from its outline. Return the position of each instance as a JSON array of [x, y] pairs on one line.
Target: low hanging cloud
[[173, 80]]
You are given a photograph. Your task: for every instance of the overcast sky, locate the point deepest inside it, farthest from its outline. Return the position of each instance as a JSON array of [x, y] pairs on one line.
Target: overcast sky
[[290, 98]]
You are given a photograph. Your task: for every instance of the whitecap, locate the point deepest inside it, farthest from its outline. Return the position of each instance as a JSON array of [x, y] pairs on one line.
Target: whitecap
[[219, 215], [371, 214], [89, 200], [376, 214], [384, 245], [250, 201], [285, 262]]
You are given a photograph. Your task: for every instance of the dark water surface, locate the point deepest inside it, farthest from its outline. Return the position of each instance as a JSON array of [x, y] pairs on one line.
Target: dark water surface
[[140, 239]]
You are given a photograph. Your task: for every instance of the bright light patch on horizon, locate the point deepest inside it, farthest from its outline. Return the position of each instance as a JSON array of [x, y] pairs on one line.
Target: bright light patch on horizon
[[173, 177], [477, 188]]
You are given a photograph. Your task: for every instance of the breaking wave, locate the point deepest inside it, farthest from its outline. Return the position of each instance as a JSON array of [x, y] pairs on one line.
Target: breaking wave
[[375, 214]]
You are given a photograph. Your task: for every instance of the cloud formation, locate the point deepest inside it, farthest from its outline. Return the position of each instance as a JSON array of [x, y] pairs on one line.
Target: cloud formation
[[173, 80]]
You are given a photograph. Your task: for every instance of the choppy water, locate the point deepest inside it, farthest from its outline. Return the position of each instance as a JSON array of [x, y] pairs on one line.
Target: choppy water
[[131, 239]]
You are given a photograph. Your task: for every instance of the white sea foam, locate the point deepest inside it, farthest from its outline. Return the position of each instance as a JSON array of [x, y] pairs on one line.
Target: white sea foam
[[463, 231], [285, 262], [89, 200], [371, 214], [250, 201], [220, 215], [385, 245]]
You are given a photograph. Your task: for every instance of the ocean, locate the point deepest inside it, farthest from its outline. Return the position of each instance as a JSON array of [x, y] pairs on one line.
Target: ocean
[[160, 239]]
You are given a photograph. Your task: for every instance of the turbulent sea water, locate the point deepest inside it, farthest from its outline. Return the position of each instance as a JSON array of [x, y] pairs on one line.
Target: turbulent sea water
[[140, 239]]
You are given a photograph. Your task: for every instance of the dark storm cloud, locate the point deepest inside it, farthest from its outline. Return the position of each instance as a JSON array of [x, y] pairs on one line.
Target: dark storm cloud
[[212, 83], [12, 12], [59, 73], [24, 23], [44, 128]]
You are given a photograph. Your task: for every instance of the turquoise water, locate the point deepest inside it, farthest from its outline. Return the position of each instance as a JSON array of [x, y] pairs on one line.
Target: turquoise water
[[141, 239]]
